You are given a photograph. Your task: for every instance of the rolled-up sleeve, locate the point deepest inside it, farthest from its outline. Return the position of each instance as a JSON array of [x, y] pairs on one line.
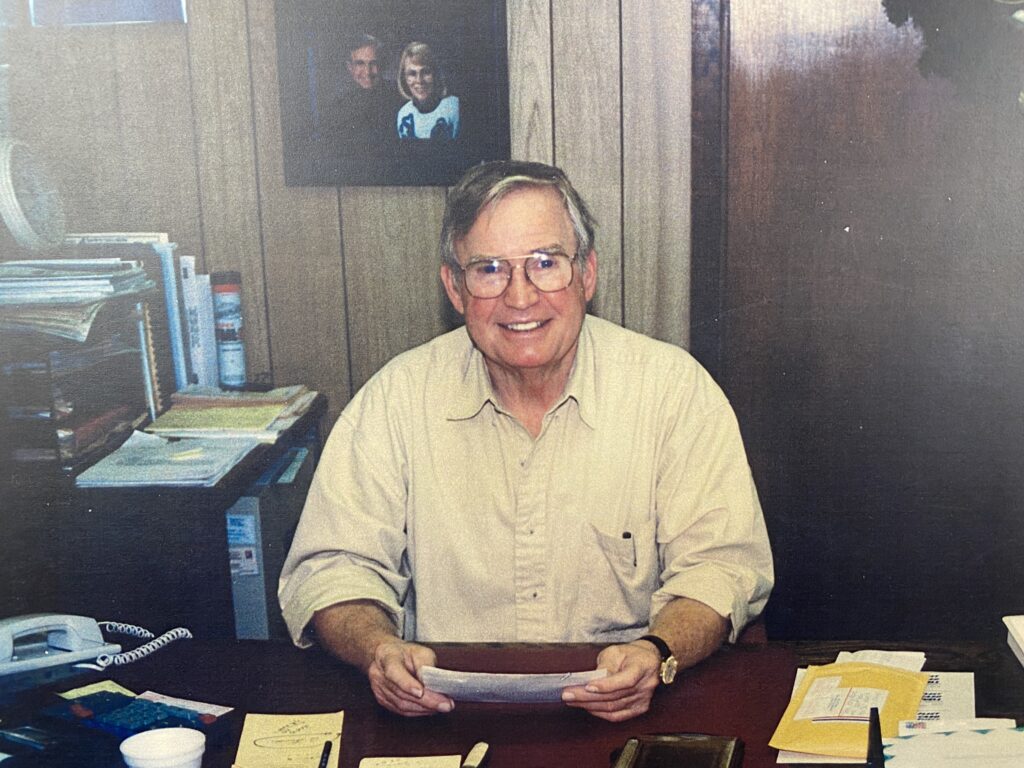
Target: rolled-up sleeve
[[712, 540], [350, 542]]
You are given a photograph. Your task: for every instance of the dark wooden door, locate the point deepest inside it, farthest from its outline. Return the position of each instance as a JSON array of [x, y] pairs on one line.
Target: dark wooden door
[[872, 309]]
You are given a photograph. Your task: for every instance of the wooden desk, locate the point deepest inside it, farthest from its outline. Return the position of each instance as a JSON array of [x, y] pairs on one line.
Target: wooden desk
[[740, 691]]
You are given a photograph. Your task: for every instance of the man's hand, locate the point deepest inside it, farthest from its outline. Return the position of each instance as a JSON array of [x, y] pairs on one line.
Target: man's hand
[[692, 630], [363, 634], [627, 691], [394, 680]]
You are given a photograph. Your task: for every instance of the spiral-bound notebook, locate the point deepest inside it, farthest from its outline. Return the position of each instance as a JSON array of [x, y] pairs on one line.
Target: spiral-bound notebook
[[681, 750]]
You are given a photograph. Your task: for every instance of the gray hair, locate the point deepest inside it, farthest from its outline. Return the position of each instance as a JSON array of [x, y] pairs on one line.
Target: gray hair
[[489, 182]]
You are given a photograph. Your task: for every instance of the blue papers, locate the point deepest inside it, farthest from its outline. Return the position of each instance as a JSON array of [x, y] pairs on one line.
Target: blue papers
[[145, 460]]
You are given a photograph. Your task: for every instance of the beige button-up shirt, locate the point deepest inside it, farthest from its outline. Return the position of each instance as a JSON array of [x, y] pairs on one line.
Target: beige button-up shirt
[[434, 502]]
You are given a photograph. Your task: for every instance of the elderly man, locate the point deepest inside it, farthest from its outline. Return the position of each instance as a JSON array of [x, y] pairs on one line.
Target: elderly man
[[538, 475]]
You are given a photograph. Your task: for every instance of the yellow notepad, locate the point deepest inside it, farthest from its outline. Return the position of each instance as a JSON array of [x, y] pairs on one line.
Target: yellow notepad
[[286, 741], [828, 714]]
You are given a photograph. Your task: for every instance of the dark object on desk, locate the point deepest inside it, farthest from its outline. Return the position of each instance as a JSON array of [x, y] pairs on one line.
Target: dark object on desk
[[58, 745], [681, 750], [876, 754], [124, 716]]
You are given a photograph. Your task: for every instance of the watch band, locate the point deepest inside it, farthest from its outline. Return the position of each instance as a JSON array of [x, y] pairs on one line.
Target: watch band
[[658, 643]]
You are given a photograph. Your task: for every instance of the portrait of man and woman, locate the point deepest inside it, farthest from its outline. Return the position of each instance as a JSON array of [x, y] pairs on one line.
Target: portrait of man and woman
[[414, 105], [389, 97]]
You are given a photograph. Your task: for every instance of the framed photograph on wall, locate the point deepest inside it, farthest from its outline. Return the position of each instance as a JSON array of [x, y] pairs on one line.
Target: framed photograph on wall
[[391, 92]]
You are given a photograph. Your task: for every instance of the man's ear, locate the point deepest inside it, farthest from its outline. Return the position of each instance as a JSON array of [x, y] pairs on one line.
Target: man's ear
[[590, 275], [452, 289]]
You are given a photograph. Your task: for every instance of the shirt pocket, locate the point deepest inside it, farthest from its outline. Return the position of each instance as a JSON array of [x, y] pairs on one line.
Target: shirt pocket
[[618, 575]]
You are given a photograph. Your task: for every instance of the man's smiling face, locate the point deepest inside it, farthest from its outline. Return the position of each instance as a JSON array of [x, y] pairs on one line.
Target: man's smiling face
[[524, 329]]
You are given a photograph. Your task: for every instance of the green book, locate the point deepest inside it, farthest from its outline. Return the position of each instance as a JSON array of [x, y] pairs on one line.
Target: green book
[[216, 419]]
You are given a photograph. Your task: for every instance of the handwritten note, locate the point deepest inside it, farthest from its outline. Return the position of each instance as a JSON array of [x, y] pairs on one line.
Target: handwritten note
[[288, 741], [433, 761]]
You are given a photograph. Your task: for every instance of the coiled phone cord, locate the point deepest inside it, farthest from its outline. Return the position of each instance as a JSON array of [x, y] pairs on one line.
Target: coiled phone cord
[[156, 643]]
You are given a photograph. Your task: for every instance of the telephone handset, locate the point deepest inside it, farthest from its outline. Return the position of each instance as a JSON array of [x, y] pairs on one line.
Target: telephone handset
[[41, 640]]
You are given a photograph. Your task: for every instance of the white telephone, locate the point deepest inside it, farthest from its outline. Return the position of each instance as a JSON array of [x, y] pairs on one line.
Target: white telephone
[[47, 639], [41, 640]]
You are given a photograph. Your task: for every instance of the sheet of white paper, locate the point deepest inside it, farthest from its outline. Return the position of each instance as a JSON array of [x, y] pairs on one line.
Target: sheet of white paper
[[433, 761], [911, 660], [948, 696], [505, 688], [916, 727], [197, 706], [796, 758], [1002, 748]]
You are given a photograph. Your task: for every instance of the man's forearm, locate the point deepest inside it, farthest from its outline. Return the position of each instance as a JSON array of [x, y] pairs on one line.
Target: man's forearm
[[352, 631], [692, 630]]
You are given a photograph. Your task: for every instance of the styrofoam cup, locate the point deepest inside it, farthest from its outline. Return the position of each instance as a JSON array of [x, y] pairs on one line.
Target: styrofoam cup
[[165, 748]]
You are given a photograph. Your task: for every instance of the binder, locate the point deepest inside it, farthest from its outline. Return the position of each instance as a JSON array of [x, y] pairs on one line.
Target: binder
[[198, 305], [170, 285]]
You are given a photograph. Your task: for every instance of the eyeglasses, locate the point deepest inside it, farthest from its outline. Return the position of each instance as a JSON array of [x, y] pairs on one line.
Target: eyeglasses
[[489, 278]]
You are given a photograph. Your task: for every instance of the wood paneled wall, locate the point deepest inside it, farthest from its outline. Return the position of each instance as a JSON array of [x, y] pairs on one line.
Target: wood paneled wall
[[177, 128], [872, 314]]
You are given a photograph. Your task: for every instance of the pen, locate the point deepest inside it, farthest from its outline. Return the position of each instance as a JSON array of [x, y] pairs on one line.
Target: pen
[[325, 755], [876, 755]]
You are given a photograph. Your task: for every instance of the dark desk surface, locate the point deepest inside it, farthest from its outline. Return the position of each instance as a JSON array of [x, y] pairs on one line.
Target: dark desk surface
[[740, 691]]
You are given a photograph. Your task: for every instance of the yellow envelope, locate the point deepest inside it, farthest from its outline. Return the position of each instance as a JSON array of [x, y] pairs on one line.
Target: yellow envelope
[[828, 714]]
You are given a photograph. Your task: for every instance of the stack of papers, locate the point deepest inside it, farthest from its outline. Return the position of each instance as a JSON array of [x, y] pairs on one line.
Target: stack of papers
[[991, 747], [257, 421], [62, 297], [211, 397], [144, 460], [67, 321], [946, 704], [69, 281], [828, 714]]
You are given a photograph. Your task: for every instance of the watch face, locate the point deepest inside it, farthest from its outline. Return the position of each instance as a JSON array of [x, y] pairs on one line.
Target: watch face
[[669, 667]]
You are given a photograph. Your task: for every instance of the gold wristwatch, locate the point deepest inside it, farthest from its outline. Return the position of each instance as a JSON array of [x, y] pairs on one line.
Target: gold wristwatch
[[669, 663]]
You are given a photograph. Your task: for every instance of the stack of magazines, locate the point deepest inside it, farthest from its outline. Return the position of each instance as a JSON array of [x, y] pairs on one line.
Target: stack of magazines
[[69, 281], [63, 296]]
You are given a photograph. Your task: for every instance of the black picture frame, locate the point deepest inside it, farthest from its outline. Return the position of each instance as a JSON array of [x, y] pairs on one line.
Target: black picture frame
[[335, 133]]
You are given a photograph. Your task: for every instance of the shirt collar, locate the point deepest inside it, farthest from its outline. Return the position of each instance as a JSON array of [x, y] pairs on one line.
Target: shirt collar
[[471, 386]]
